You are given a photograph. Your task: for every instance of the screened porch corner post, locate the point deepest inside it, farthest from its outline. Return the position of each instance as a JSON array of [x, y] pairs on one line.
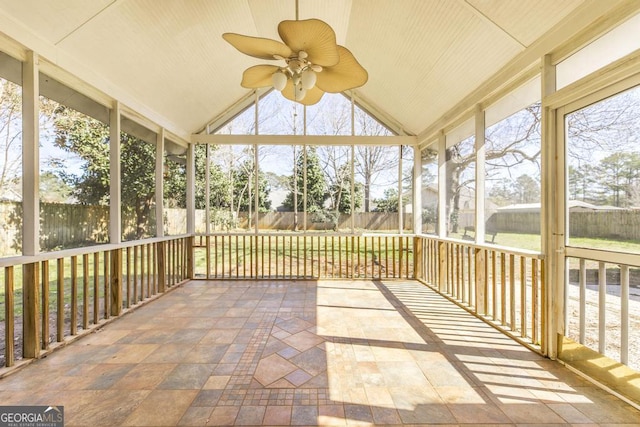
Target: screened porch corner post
[[31, 203], [553, 311]]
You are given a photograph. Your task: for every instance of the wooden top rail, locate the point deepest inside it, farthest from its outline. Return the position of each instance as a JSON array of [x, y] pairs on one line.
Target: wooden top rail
[[303, 234], [497, 248], [20, 260], [603, 255]]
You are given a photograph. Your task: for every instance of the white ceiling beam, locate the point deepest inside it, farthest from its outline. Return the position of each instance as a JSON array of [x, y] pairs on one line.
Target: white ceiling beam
[[217, 139]]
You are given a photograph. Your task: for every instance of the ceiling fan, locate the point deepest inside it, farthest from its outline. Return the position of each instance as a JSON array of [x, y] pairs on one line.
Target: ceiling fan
[[314, 62]]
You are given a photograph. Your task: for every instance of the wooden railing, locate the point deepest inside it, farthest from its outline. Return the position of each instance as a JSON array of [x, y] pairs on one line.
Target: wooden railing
[[503, 285], [53, 298], [299, 256], [602, 313]]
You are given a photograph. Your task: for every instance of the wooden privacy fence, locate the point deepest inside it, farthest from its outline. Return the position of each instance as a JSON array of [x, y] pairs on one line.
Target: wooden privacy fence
[[606, 224], [503, 286], [303, 256], [62, 295]]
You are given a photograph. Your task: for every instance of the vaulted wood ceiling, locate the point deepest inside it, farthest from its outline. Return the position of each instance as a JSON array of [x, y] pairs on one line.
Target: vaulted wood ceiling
[[168, 58]]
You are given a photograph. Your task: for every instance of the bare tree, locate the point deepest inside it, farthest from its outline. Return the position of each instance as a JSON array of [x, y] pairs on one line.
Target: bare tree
[[371, 160], [10, 135]]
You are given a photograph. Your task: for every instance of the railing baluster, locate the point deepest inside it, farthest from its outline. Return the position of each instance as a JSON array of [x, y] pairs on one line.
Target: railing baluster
[[304, 254], [208, 257], [96, 287], [624, 314], [503, 288], [406, 260], [602, 307], [349, 255], [128, 273], [340, 256], [393, 253], [9, 316], [534, 301], [74, 296], [154, 266], [379, 256], [523, 297], [85, 291], [107, 293], [459, 271], [312, 258], [135, 275], [222, 246], [463, 296], [60, 300], [512, 291], [148, 270], [45, 305], [582, 279], [494, 285], [269, 255]]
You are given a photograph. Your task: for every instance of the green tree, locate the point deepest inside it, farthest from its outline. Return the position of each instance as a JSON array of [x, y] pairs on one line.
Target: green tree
[[53, 189], [316, 184], [583, 183], [526, 189], [244, 189], [619, 173], [88, 139], [389, 202], [341, 196]]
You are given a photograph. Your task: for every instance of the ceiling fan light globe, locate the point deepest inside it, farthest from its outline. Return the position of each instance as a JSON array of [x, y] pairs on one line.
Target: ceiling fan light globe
[[302, 54], [279, 80], [300, 93], [316, 68], [308, 79]]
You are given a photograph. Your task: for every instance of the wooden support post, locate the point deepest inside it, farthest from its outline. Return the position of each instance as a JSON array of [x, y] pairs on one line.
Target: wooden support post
[[481, 281], [116, 282], [417, 258], [162, 277], [9, 317], [45, 304], [190, 264], [60, 300], [442, 256], [30, 311]]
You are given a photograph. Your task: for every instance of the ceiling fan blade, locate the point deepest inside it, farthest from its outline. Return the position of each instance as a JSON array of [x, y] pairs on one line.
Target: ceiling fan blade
[[258, 76], [257, 47], [313, 95], [313, 36], [347, 74]]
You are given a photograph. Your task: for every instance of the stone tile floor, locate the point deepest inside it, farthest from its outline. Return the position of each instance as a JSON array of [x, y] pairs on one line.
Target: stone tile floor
[[307, 353]]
